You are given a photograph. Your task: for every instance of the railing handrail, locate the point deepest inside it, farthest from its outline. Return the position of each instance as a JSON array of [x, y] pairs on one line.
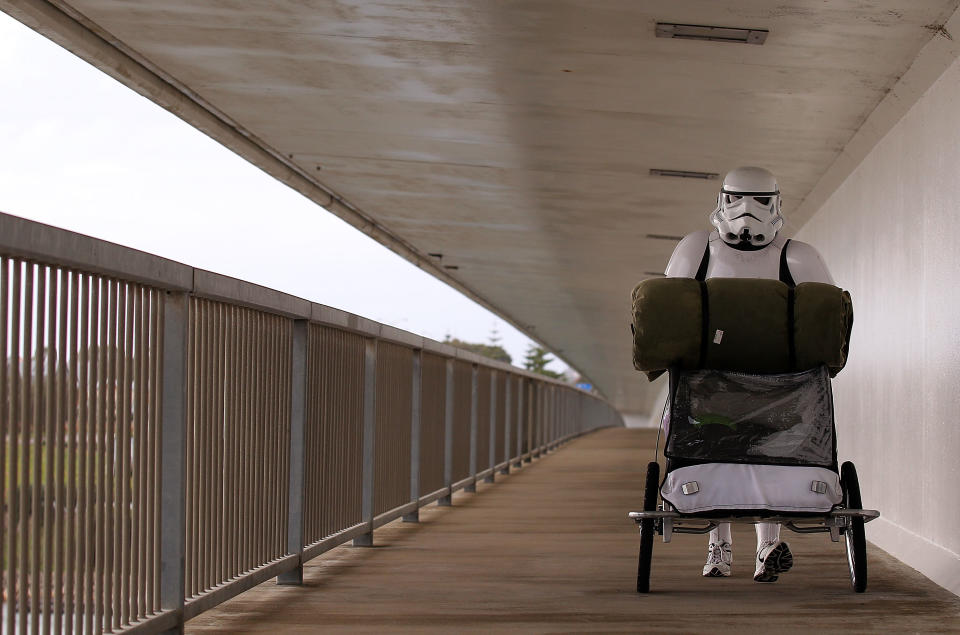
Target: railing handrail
[[56, 246]]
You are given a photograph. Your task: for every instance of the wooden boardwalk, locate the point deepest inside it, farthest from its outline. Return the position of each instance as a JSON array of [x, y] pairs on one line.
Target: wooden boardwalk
[[550, 549]]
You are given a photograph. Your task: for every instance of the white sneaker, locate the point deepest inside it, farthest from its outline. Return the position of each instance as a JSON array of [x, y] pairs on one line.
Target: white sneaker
[[773, 558], [719, 559]]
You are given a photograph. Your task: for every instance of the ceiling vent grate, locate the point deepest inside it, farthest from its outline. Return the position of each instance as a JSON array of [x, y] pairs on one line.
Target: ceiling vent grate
[[684, 174], [711, 33]]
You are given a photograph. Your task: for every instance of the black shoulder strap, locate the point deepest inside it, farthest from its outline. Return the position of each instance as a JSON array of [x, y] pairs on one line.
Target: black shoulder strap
[[704, 303], [702, 269], [785, 276], [704, 324]]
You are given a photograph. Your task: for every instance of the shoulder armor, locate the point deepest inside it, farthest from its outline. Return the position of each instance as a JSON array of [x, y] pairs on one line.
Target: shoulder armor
[[805, 263], [687, 255]]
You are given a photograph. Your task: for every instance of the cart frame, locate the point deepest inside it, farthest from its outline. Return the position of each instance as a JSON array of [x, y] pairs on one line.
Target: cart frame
[[846, 520]]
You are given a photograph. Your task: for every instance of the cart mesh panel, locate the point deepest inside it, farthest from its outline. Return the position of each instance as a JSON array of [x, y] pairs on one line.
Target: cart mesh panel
[[732, 417]]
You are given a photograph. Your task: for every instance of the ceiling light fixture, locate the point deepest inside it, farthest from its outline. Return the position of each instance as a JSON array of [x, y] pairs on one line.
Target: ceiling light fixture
[[684, 174], [664, 237], [711, 33]]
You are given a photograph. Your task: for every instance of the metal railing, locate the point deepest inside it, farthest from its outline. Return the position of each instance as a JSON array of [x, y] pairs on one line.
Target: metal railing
[[171, 437]]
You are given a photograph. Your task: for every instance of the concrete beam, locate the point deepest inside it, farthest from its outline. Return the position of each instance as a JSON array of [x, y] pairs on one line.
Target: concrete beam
[[67, 27]]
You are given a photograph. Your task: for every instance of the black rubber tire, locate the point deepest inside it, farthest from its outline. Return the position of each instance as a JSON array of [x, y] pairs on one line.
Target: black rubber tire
[[650, 492], [855, 537]]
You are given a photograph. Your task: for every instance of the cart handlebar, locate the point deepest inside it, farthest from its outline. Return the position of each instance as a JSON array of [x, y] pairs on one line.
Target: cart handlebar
[[866, 514]]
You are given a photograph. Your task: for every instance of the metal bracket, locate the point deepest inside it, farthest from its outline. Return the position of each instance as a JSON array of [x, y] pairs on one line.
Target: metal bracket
[[836, 525], [667, 529]]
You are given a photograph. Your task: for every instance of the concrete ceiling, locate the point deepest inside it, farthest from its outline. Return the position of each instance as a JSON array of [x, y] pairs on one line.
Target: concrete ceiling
[[514, 138]]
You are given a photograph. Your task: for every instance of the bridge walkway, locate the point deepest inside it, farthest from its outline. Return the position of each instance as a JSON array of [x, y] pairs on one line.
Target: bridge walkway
[[549, 549]]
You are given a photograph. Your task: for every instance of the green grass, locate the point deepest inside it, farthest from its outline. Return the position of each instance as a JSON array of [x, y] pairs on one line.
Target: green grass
[[14, 484]]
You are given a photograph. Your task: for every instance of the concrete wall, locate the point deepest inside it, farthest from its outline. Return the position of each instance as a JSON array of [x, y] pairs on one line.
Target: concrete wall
[[890, 235], [657, 395]]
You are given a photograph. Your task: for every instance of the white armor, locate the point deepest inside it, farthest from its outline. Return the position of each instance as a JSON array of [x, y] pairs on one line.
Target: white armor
[[747, 247], [725, 261]]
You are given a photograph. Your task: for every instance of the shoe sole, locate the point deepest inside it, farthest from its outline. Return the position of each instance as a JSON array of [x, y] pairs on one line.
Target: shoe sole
[[779, 560], [715, 573]]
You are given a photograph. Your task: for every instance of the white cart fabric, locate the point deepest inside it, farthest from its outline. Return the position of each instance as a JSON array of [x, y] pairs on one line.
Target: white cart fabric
[[739, 486]]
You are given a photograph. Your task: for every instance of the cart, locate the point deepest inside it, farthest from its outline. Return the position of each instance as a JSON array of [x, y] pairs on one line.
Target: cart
[[745, 448]]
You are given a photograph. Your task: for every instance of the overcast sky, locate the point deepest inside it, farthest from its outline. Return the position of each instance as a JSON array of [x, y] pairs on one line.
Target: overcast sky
[[83, 152]]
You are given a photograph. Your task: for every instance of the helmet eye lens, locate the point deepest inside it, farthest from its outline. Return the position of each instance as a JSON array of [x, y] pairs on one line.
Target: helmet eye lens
[[732, 198], [763, 200]]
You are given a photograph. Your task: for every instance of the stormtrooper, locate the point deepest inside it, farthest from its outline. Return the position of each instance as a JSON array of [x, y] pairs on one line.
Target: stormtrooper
[[746, 244]]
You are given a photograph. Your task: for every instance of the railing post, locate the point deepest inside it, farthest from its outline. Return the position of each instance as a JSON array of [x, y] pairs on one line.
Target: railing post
[[414, 516], [172, 454], [531, 400], [560, 414], [506, 424], [550, 414], [544, 402], [521, 391], [539, 415], [552, 419], [448, 439], [298, 404], [557, 423], [544, 437], [474, 378], [560, 407], [545, 418], [493, 427], [369, 431], [582, 420], [556, 418], [543, 443]]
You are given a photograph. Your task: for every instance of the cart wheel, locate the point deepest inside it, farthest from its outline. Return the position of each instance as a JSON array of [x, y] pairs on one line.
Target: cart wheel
[[856, 539], [650, 491]]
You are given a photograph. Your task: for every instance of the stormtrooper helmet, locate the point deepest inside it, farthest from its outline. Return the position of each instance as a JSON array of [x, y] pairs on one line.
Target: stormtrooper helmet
[[748, 208]]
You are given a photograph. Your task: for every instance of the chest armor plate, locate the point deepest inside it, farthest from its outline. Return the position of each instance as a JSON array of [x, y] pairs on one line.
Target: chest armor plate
[[727, 262]]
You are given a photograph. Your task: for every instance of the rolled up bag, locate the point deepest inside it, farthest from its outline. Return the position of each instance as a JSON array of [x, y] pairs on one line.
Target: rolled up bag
[[740, 324], [748, 327], [666, 325], [823, 321]]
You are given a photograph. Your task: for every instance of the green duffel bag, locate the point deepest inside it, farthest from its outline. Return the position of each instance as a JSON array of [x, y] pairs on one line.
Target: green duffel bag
[[666, 325], [739, 324], [823, 320], [748, 326]]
